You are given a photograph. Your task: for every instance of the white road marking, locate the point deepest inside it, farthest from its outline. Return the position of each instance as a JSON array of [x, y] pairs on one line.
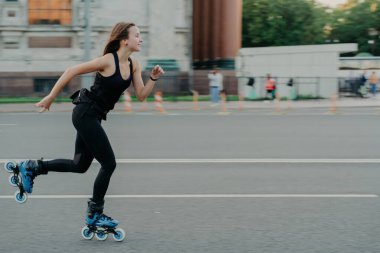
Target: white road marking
[[264, 160], [327, 161], [202, 196]]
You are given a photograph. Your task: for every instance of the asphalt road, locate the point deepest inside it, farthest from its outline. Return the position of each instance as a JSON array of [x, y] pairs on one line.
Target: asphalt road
[[310, 183]]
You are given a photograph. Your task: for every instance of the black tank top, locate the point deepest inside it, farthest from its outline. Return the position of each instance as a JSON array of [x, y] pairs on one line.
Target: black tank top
[[108, 90]]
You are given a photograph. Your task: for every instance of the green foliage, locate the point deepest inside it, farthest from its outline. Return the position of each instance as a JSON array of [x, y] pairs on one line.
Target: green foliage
[[281, 22], [353, 23], [300, 22]]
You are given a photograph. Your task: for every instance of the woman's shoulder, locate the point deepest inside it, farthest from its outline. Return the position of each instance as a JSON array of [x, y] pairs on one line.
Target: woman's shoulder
[[105, 61], [107, 57]]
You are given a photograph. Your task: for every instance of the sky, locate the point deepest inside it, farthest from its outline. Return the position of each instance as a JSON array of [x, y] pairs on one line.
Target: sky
[[331, 3]]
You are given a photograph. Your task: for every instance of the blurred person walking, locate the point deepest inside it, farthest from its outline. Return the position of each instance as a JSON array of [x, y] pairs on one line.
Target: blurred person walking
[[359, 89], [115, 72], [270, 87], [216, 85], [373, 79], [363, 78]]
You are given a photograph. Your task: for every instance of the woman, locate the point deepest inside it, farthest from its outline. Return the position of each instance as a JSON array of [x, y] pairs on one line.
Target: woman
[[115, 72]]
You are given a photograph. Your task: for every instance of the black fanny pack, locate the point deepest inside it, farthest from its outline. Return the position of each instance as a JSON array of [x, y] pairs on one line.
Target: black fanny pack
[[81, 96], [85, 96]]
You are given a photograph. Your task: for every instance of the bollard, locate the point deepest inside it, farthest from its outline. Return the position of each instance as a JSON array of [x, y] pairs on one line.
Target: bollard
[[127, 101], [158, 102], [195, 100], [241, 101], [223, 104], [333, 107]]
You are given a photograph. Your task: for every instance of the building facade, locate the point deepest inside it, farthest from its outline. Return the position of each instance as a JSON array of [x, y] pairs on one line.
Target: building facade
[[314, 69], [39, 39]]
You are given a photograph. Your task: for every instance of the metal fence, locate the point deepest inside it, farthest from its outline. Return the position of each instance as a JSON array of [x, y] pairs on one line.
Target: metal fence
[[303, 87], [180, 84], [171, 84], [39, 86], [289, 87], [353, 87]]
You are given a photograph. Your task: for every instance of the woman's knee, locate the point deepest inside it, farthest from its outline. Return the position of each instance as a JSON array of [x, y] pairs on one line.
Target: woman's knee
[[80, 168], [81, 163], [109, 166]]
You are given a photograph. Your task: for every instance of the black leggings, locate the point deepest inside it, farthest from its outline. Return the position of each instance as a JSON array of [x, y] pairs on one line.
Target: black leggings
[[91, 142]]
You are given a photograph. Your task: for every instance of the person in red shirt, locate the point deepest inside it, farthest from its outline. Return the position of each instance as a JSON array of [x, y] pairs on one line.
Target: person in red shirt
[[270, 86]]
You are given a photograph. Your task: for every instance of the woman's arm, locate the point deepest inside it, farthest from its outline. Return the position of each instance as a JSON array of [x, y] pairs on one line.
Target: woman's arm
[[142, 92], [97, 64]]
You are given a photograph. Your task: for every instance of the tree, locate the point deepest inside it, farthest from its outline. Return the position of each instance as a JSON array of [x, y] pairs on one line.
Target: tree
[[282, 22], [358, 22]]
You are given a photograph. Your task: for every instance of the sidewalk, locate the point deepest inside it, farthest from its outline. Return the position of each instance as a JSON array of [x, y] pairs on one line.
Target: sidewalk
[[234, 105]]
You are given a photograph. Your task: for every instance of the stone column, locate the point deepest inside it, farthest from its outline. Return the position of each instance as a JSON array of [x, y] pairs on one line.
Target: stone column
[[216, 24], [217, 27], [205, 31], [231, 31], [197, 24]]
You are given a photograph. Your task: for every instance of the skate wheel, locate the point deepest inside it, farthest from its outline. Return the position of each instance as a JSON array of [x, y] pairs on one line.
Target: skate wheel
[[119, 235], [14, 180], [20, 198], [87, 233], [101, 234], [10, 166]]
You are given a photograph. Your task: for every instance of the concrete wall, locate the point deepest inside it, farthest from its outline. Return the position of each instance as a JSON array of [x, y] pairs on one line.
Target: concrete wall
[[165, 36], [314, 67], [39, 50]]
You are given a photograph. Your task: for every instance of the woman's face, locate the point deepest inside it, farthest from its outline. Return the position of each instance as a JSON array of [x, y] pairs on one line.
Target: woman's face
[[134, 41]]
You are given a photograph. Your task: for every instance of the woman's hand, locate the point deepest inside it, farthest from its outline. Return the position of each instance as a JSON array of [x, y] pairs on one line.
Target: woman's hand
[[156, 72], [45, 103]]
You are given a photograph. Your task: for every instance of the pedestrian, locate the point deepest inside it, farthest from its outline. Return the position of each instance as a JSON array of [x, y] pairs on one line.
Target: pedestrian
[[361, 85], [373, 83], [363, 78], [216, 85], [115, 71], [270, 87]]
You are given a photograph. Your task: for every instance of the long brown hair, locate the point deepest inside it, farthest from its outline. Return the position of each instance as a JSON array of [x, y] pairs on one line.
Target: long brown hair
[[119, 32]]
